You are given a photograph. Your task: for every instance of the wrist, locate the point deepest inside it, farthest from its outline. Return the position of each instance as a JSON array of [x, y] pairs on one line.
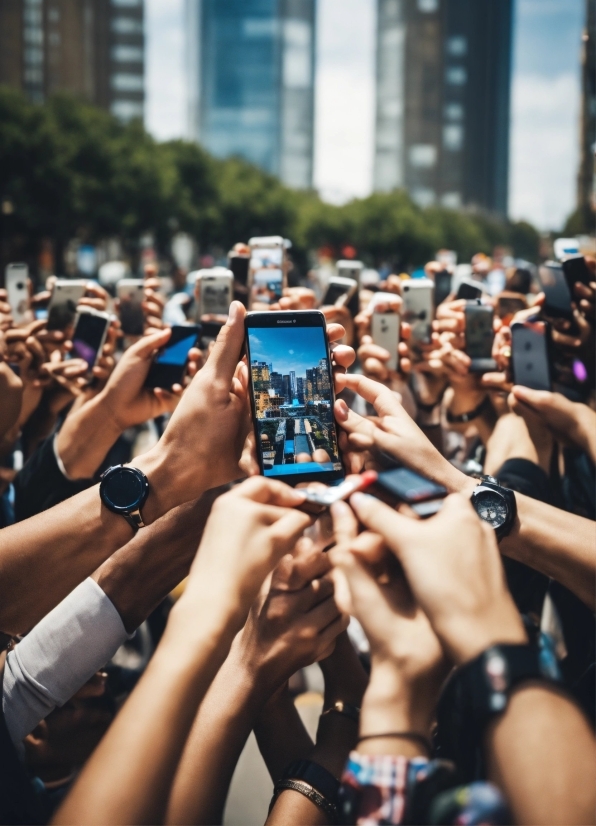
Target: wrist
[[468, 637], [393, 702], [167, 488], [80, 456]]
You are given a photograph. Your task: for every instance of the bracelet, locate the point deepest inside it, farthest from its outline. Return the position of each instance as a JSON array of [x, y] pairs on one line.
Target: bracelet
[[347, 709], [404, 735], [326, 806], [464, 418]]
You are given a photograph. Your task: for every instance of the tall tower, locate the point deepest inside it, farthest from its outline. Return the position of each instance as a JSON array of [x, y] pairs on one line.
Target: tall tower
[[250, 67], [93, 49], [443, 90], [586, 184]]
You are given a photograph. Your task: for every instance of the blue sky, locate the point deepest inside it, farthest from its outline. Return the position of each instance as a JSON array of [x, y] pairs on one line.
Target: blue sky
[[545, 99], [288, 349]]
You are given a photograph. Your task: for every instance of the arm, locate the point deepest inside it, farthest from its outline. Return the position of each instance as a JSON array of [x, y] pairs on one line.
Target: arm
[[280, 714]]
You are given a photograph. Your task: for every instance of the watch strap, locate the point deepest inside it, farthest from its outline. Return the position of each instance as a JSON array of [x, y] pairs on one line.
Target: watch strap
[[134, 519], [464, 418], [315, 775]]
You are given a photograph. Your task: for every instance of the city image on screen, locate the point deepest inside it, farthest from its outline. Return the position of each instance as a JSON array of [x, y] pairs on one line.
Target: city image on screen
[[293, 401]]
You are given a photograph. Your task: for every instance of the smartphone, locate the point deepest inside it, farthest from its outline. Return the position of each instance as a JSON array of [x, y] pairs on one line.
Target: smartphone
[[131, 293], [214, 291], [530, 354], [442, 286], [557, 302], [267, 270], [346, 268], [576, 269], [469, 290], [89, 337], [385, 329], [170, 363], [209, 332], [16, 281], [401, 484], [480, 336], [417, 294], [292, 397], [339, 291], [62, 308], [238, 265], [510, 303]]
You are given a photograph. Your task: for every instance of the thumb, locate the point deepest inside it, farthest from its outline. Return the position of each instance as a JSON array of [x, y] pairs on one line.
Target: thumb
[[534, 398], [225, 355], [146, 345]]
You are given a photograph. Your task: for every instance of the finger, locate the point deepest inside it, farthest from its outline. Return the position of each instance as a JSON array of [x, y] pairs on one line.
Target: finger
[[288, 529], [144, 347], [225, 355], [381, 398], [269, 492], [345, 525]]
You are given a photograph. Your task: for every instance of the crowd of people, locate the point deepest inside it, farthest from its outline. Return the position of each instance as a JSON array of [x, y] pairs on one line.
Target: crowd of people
[[458, 659]]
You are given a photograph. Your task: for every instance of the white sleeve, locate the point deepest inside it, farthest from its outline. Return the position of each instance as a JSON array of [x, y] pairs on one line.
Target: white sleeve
[[61, 653]]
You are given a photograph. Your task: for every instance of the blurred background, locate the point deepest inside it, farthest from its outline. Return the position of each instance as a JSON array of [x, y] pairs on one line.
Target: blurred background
[[168, 130]]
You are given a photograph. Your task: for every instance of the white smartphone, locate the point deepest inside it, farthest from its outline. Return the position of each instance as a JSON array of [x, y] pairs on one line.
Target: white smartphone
[[16, 280], [62, 308], [89, 335], [267, 270], [131, 293], [339, 291], [214, 291], [346, 268], [417, 295], [385, 328]]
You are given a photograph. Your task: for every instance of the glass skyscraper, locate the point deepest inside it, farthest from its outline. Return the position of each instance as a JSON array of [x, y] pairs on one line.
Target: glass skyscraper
[[250, 67]]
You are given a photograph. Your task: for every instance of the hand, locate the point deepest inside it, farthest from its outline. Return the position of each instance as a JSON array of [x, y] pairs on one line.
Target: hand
[[248, 532], [96, 297], [297, 298], [295, 623], [6, 319], [11, 393], [394, 432], [453, 568], [571, 423], [153, 304], [408, 665]]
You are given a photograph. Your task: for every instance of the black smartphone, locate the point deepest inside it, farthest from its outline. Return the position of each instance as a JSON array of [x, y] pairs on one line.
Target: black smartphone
[[480, 337], [530, 354], [170, 363], [510, 303], [238, 264], [442, 286], [576, 269], [209, 332], [89, 335], [292, 397], [557, 302], [469, 291], [404, 485]]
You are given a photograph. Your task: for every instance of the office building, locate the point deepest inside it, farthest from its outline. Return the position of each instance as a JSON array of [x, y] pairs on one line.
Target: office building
[[250, 68], [93, 49], [443, 92], [586, 184]]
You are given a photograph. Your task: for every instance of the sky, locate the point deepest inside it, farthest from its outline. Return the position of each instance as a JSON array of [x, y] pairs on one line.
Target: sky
[[544, 148], [288, 349]]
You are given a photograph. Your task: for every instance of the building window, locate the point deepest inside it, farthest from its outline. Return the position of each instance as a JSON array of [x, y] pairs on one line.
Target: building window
[[127, 54], [54, 15], [127, 25], [296, 58], [423, 196], [456, 76], [33, 57], [126, 4], [54, 39], [451, 200], [454, 111], [457, 46], [127, 83], [453, 137], [127, 109], [428, 6], [422, 155]]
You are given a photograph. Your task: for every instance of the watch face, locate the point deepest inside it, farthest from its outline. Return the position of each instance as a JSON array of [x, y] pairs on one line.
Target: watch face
[[124, 489], [491, 506]]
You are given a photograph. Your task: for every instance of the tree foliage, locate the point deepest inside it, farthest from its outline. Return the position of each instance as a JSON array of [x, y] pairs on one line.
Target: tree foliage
[[71, 170]]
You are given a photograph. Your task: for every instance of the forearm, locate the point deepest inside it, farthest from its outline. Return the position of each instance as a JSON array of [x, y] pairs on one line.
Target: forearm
[[85, 438], [280, 714], [138, 757], [218, 735], [541, 753]]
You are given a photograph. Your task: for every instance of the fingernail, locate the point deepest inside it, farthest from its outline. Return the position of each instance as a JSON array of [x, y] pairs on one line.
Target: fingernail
[[233, 313], [341, 409], [298, 495]]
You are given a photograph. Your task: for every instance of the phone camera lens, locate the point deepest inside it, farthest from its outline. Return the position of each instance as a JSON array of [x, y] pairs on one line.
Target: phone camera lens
[[20, 285]]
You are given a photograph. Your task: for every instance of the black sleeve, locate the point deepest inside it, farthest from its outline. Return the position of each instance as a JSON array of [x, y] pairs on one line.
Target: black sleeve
[[41, 484]]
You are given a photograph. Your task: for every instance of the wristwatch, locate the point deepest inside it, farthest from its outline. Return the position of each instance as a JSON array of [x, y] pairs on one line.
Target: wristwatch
[[124, 490], [495, 505]]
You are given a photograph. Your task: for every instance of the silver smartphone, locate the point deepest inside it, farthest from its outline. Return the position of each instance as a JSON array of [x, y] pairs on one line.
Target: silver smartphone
[[214, 291], [385, 328], [131, 293], [267, 270], [417, 295], [339, 291], [16, 280], [346, 268], [62, 309]]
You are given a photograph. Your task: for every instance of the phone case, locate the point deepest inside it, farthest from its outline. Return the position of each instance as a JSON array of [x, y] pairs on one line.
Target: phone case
[[530, 355], [260, 290], [385, 329], [63, 303], [215, 294], [418, 308], [17, 287]]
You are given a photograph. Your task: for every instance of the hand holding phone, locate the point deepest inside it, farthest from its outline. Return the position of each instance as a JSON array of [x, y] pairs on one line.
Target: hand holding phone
[[480, 336], [170, 363], [131, 294], [385, 330]]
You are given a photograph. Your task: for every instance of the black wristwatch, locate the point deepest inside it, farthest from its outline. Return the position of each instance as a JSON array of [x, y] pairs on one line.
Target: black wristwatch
[[495, 505], [124, 490], [479, 691]]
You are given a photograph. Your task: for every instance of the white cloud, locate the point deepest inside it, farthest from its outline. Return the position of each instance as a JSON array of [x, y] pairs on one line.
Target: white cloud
[[165, 108], [544, 148]]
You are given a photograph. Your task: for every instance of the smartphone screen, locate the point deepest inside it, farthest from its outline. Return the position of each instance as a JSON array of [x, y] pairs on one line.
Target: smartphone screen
[[557, 296], [508, 306], [215, 295], [468, 291], [88, 337], [335, 291], [442, 286], [530, 354], [575, 270], [292, 396], [479, 331], [266, 270], [170, 363], [238, 264], [409, 486]]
